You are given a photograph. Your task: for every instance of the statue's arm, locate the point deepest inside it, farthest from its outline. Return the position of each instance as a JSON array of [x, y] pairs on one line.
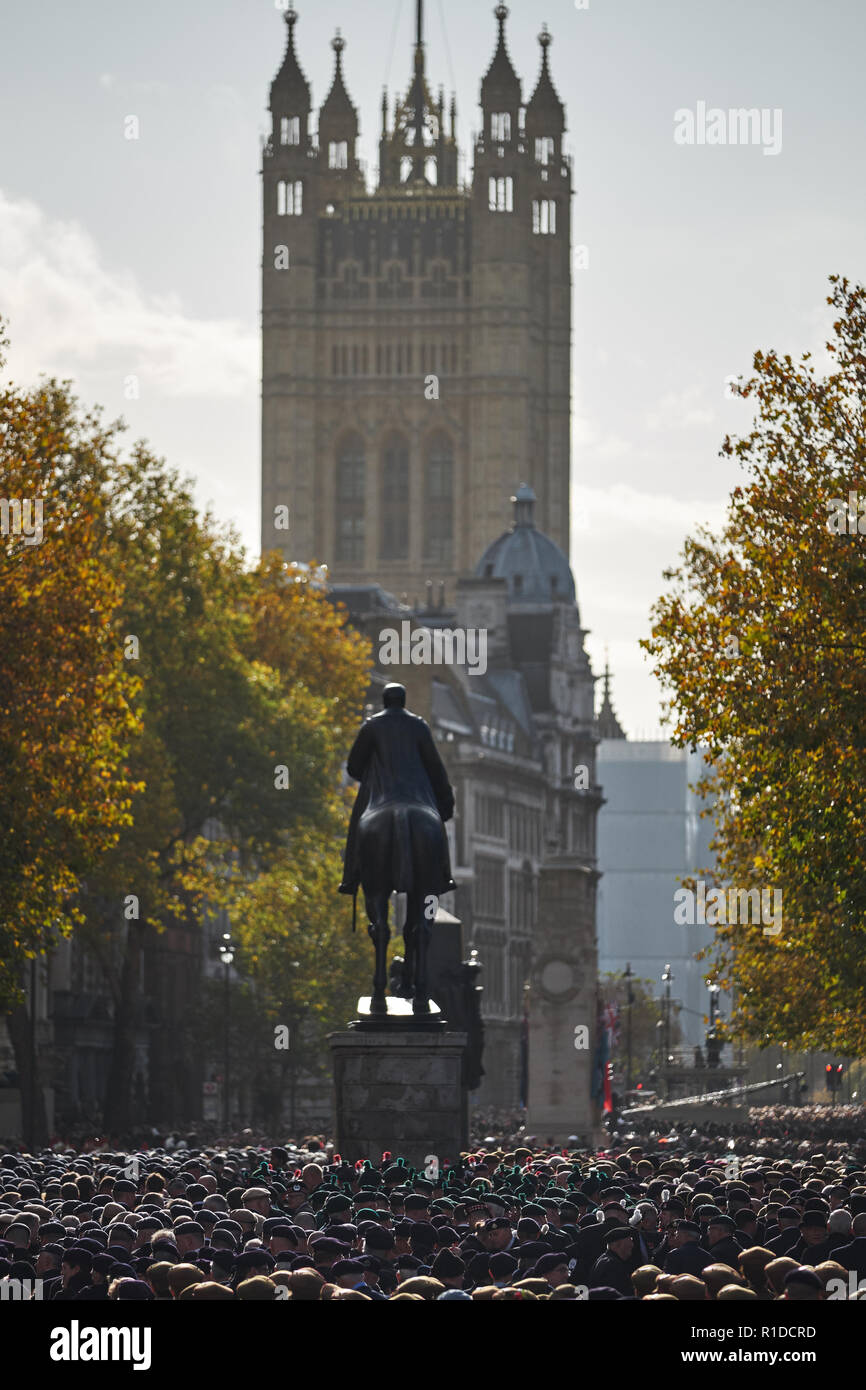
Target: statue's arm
[[435, 769], [359, 756]]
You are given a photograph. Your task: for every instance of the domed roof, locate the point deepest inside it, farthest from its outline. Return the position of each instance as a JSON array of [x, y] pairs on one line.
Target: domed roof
[[534, 566]]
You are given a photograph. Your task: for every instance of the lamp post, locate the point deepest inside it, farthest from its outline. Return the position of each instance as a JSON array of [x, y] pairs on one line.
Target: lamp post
[[713, 1049], [629, 1000], [227, 955], [667, 977]]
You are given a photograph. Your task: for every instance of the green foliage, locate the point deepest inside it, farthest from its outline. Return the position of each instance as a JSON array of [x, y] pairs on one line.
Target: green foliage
[[785, 721]]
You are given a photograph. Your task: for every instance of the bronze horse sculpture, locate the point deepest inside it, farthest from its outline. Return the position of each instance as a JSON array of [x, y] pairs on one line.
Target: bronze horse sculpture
[[397, 841]]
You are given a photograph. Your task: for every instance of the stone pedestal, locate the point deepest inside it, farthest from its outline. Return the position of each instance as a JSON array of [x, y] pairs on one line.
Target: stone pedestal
[[563, 1006], [399, 1090]]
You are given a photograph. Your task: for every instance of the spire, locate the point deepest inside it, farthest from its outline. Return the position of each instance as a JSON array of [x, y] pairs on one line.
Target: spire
[[544, 101], [608, 724], [290, 87], [500, 86], [337, 102], [418, 93]]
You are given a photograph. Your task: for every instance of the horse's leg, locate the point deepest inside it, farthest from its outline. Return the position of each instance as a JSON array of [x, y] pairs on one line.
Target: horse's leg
[[407, 982], [377, 912], [421, 937]]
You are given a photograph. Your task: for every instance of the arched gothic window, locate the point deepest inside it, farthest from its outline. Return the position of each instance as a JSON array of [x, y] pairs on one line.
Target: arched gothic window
[[394, 502], [439, 501], [350, 500]]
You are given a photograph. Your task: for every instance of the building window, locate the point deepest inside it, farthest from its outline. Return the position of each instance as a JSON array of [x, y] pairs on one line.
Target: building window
[[521, 890], [524, 830], [489, 816], [545, 148], [438, 501], [290, 130], [544, 217], [290, 198], [351, 488], [489, 887], [501, 194], [338, 154], [394, 504], [500, 126]]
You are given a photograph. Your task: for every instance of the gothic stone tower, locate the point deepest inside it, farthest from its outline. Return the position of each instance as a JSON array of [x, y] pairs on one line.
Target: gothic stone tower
[[416, 339]]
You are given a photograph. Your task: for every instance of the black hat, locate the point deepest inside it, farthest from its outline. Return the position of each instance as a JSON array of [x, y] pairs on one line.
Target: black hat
[[502, 1265], [531, 1251], [725, 1221], [814, 1218], [620, 1233], [447, 1265], [78, 1255], [377, 1238], [496, 1223], [549, 1262], [804, 1275]]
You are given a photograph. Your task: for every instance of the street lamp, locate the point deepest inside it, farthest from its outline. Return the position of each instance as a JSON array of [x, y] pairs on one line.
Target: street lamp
[[713, 1048], [227, 955], [629, 1000], [667, 977]]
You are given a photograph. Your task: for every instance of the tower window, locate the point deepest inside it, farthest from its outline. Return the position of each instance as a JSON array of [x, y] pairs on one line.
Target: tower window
[[439, 503], [545, 148], [290, 198], [338, 154], [501, 194], [500, 126], [394, 506], [350, 501], [290, 130], [544, 217]]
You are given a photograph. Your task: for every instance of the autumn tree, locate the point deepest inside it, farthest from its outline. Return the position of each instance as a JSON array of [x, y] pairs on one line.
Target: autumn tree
[[66, 701], [761, 644], [242, 698]]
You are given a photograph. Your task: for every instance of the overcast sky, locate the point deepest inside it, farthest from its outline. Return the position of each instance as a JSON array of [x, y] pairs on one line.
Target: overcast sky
[[123, 258]]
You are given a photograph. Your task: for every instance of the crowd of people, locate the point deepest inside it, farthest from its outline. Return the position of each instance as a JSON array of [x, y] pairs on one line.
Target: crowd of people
[[660, 1220]]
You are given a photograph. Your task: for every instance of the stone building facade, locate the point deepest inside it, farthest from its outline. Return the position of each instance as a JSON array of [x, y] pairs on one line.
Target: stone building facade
[[416, 337]]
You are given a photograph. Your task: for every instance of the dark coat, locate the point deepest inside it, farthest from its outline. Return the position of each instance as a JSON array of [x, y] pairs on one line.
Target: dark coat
[[690, 1258], [397, 841], [784, 1242], [726, 1252], [853, 1256], [610, 1272], [815, 1254]]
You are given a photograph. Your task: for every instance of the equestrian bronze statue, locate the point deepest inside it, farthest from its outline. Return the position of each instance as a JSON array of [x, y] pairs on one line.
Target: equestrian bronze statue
[[397, 841]]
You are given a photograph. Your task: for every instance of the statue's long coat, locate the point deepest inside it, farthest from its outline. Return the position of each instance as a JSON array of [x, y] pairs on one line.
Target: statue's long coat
[[397, 841]]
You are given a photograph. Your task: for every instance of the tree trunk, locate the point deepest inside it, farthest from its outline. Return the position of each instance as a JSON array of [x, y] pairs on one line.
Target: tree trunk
[[118, 1091], [34, 1119]]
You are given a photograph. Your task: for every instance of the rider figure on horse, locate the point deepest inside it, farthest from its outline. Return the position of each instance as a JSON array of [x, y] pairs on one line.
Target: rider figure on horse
[[397, 841]]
